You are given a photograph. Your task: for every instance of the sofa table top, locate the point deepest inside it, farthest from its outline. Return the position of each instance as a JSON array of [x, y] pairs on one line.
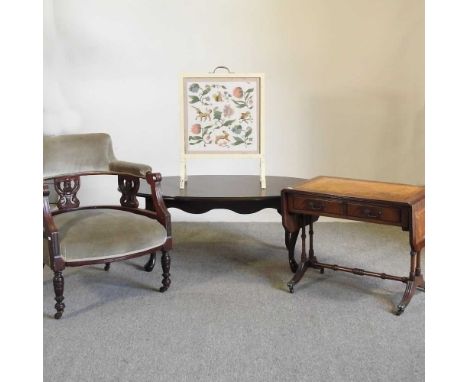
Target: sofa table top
[[362, 189]]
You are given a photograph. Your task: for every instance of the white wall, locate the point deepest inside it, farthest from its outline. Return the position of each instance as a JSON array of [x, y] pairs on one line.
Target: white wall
[[344, 81]]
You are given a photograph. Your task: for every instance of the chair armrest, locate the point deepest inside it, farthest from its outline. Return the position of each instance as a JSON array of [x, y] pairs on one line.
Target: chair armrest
[[163, 215], [128, 168]]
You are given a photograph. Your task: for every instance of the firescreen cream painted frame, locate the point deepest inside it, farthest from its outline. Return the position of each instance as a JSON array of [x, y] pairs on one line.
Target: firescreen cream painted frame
[[185, 153]]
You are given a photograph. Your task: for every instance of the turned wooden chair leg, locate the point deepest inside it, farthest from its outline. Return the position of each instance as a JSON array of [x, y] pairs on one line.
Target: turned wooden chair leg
[[58, 288], [107, 267], [150, 263], [166, 265]]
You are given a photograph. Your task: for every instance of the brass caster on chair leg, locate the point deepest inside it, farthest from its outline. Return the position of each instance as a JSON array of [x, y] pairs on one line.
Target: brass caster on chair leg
[[107, 267], [58, 315], [163, 289], [322, 271], [291, 287]]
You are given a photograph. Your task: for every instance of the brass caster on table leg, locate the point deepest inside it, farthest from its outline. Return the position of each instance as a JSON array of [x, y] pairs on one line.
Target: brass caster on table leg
[[107, 267], [400, 310], [57, 316], [411, 287], [297, 276]]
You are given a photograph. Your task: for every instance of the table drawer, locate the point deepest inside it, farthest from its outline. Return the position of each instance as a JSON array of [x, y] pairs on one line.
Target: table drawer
[[374, 212], [318, 205]]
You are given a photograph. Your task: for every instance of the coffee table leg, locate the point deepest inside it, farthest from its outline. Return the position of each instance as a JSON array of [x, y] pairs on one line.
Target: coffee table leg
[[415, 281], [302, 266], [290, 240]]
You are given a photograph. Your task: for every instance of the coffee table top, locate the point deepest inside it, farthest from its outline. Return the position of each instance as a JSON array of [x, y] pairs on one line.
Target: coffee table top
[[222, 186]]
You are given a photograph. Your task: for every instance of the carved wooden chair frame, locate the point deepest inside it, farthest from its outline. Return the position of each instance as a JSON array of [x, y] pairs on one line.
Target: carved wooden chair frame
[[67, 187]]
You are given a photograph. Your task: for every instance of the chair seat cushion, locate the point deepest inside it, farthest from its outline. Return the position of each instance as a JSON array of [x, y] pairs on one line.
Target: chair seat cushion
[[102, 233]]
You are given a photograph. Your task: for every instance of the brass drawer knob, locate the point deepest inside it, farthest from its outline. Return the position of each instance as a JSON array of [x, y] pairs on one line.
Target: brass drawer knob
[[373, 214], [316, 206]]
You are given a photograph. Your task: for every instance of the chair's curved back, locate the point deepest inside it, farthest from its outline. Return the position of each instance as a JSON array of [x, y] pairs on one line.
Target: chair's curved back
[[76, 153]]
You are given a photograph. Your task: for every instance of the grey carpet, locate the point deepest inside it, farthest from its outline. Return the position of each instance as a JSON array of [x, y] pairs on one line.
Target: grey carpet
[[228, 316]]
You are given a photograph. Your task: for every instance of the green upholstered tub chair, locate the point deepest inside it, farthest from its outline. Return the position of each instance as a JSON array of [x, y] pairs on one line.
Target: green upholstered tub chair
[[74, 235]]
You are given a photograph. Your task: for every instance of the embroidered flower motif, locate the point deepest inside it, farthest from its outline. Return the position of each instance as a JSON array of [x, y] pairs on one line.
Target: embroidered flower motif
[[196, 128], [228, 110], [218, 97], [194, 88], [208, 139], [238, 92]]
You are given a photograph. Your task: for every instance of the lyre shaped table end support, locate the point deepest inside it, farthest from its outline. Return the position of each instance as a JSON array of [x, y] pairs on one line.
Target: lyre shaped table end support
[[306, 262], [415, 281]]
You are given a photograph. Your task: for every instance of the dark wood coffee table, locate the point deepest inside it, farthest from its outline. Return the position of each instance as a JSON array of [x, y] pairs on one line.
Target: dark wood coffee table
[[239, 193]]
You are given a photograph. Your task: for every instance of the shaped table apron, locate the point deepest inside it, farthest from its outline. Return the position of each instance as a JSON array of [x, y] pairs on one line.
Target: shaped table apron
[[238, 193]]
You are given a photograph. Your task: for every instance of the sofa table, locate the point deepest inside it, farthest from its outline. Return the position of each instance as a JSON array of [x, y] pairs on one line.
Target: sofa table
[[374, 202], [239, 193]]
